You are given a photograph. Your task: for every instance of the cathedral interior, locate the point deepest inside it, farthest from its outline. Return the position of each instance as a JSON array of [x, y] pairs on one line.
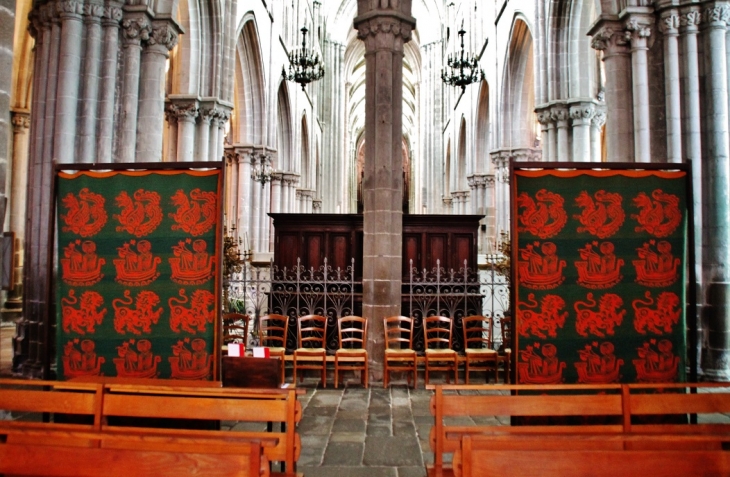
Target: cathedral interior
[[130, 81]]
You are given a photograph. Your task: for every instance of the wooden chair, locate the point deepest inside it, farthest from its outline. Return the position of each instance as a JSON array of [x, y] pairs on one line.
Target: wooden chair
[[352, 354], [311, 350], [505, 353], [439, 355], [273, 333], [399, 352], [478, 352], [235, 328]]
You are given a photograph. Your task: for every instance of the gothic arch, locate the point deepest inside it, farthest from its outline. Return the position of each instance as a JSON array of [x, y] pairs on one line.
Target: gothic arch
[[481, 161], [284, 129], [249, 118], [518, 97]]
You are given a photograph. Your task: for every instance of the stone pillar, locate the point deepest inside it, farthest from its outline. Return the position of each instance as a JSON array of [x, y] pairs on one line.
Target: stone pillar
[[90, 84], [186, 112], [16, 207], [639, 28], [597, 122], [105, 134], [560, 116], [716, 197], [162, 38], [609, 37], [672, 100], [206, 125], [384, 28], [69, 69], [218, 125], [243, 208], [276, 180], [581, 114], [135, 29], [544, 117]]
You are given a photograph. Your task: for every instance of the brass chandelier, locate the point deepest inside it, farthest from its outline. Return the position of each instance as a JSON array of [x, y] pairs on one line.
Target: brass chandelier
[[305, 65]]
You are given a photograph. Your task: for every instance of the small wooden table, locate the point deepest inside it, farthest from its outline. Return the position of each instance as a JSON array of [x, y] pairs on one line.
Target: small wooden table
[[247, 372]]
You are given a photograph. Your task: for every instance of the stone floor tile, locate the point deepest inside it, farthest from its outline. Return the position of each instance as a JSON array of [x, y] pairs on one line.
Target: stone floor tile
[[395, 451], [343, 453], [416, 471], [348, 425], [348, 437], [315, 425]]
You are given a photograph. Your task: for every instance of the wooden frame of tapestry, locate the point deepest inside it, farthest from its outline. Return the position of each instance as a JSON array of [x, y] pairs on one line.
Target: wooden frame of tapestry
[[602, 269], [138, 277]]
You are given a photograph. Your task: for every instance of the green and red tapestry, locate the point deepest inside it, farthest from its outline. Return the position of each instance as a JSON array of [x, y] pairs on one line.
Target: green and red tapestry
[[599, 264], [137, 275]]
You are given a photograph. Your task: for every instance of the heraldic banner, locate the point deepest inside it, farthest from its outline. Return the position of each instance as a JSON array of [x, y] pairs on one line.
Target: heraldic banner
[[599, 263], [137, 276]]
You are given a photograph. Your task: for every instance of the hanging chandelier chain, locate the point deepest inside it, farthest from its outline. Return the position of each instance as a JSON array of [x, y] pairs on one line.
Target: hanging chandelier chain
[[464, 67]]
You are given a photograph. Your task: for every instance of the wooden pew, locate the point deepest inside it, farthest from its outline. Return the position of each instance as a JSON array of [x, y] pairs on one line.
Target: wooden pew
[[211, 404], [597, 455], [451, 402], [127, 453]]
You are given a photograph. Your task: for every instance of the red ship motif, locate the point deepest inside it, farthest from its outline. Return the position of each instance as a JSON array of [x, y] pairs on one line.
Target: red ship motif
[[595, 368], [81, 268], [602, 217], [81, 362], [657, 362], [657, 266], [136, 268], [139, 216], [544, 217], [190, 364], [191, 267], [82, 315], [541, 270], [660, 319], [136, 315], [139, 363], [195, 214], [86, 214], [659, 215], [547, 320], [598, 269], [602, 321], [536, 369], [194, 317]]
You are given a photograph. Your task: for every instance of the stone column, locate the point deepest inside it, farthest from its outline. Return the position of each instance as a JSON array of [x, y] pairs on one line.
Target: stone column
[[206, 126], [135, 29], [276, 180], [581, 114], [716, 197], [90, 84], [384, 27], [186, 111], [639, 28], [16, 207], [221, 117], [609, 37], [597, 122], [105, 133], [69, 69], [162, 38], [670, 26], [245, 187], [560, 115], [544, 117]]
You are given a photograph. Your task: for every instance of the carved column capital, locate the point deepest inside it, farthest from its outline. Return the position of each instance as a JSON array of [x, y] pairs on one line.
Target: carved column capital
[[582, 112], [716, 15], [611, 39], [690, 19], [111, 16], [183, 111], [559, 113], [135, 30], [669, 24], [638, 30], [70, 9], [394, 25], [163, 33], [599, 118], [20, 120]]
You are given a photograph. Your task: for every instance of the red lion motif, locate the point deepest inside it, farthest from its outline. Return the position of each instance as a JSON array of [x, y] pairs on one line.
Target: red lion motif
[[605, 318], [137, 319], [195, 214], [141, 215], [86, 214], [660, 319], [660, 215], [83, 319], [544, 218], [602, 217], [548, 319], [194, 317]]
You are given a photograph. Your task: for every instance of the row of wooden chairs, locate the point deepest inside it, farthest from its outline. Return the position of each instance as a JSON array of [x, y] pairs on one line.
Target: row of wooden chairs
[[400, 355], [479, 354], [311, 352]]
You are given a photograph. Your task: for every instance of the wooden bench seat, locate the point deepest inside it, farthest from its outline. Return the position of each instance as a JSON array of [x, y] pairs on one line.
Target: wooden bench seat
[[53, 452]]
